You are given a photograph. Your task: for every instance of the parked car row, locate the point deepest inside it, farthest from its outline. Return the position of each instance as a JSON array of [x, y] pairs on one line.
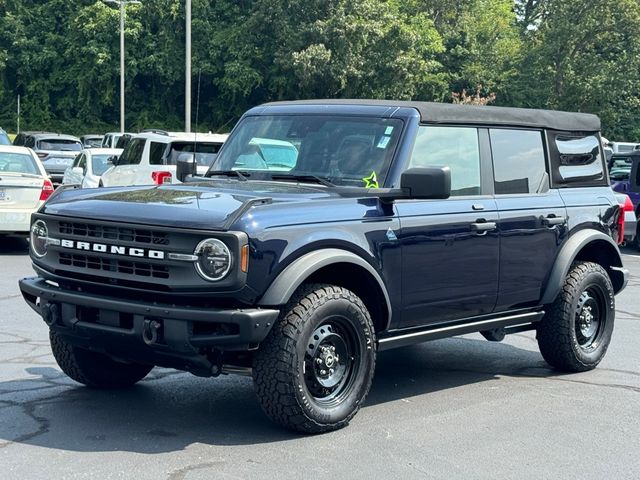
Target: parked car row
[[38, 162]]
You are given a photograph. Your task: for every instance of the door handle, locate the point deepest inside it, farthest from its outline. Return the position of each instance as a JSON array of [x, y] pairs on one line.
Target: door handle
[[552, 220], [481, 227]]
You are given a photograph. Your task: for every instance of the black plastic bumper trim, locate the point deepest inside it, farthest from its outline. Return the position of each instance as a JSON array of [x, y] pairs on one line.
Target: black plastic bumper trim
[[253, 323]]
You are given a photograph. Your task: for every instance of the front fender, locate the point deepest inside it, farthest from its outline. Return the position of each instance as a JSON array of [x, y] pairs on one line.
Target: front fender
[[288, 281]]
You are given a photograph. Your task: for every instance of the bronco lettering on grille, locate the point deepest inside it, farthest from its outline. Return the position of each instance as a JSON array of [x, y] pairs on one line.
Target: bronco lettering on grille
[[113, 249]]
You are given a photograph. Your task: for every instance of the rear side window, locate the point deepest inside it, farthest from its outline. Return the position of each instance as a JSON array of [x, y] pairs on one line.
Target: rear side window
[[132, 155], [156, 150], [18, 163], [455, 147], [518, 161], [579, 157]]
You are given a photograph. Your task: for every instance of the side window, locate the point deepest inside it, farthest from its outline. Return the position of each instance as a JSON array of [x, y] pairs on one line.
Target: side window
[[30, 142], [455, 147], [579, 157], [518, 161], [133, 153], [82, 163], [156, 150]]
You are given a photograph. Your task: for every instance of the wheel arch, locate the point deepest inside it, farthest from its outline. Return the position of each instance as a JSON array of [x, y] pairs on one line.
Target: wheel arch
[[591, 246], [338, 267]]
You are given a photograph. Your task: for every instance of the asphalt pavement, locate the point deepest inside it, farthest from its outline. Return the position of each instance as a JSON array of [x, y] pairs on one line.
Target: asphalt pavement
[[457, 408]]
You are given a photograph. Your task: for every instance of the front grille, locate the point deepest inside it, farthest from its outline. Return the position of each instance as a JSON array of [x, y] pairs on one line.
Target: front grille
[[149, 237], [137, 268]]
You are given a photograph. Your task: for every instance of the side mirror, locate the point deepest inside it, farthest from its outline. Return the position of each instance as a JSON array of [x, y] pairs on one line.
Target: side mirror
[[185, 165], [426, 182], [112, 160]]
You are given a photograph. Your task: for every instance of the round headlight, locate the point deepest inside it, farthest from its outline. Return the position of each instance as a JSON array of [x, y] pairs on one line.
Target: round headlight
[[39, 236], [214, 259]]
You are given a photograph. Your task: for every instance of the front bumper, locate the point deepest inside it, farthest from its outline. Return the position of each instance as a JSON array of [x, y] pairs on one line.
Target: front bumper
[[165, 335]]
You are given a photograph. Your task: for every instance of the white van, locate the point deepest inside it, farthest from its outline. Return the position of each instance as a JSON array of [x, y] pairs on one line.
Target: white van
[[150, 157]]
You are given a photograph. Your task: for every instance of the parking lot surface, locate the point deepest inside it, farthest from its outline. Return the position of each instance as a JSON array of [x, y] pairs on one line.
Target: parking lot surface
[[455, 408]]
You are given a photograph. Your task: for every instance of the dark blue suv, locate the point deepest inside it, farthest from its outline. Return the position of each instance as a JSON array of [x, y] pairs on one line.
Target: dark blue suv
[[327, 231]]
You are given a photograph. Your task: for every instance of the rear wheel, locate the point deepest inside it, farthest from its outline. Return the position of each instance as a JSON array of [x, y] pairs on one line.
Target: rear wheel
[[95, 369], [315, 368], [576, 331]]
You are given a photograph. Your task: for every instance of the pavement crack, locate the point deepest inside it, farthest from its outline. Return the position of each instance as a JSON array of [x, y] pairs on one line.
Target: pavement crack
[[9, 297], [181, 473]]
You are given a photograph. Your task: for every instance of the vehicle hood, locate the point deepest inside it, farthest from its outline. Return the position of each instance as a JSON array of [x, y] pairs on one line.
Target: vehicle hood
[[210, 205]]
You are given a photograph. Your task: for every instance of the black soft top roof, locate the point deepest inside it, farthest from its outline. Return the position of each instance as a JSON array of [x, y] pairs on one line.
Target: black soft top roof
[[431, 112]]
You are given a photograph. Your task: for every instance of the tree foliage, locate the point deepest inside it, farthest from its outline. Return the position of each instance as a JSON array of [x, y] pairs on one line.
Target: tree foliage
[[63, 57]]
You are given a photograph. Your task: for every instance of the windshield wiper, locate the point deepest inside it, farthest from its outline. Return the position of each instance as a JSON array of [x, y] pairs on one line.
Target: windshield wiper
[[228, 173], [304, 178]]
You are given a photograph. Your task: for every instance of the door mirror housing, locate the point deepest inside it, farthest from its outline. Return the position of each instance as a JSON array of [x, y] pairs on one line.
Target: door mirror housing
[[185, 165], [113, 160], [426, 183]]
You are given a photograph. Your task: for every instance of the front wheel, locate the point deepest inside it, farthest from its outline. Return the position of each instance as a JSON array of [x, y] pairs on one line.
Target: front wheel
[[315, 368], [576, 331], [95, 369]]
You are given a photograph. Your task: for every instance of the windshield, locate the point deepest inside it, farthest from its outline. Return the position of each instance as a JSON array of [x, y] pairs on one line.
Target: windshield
[[4, 138], [347, 151], [206, 153], [60, 145], [100, 164], [18, 163]]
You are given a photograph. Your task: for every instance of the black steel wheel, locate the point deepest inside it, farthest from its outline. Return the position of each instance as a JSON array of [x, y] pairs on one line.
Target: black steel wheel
[[576, 331], [315, 368]]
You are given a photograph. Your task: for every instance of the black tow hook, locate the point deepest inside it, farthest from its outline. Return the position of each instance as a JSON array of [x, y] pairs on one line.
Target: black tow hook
[[151, 331], [50, 313]]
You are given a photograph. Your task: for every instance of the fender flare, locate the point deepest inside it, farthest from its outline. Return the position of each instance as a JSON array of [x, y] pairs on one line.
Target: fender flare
[[288, 281], [568, 254]]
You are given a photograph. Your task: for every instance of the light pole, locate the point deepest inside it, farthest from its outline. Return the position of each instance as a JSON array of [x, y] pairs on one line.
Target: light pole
[[187, 81], [122, 4]]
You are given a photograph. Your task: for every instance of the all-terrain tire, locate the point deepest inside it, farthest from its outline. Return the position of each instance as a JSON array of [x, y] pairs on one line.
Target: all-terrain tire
[[314, 370], [95, 369], [576, 331]]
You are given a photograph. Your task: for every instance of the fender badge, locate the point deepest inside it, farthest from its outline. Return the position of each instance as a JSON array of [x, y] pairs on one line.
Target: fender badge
[[391, 235]]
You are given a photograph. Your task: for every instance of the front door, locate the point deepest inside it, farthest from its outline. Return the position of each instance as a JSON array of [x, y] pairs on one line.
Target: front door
[[450, 248]]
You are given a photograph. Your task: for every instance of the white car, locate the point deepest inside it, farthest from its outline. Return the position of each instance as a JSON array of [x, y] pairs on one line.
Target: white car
[[89, 166], [24, 187], [150, 157]]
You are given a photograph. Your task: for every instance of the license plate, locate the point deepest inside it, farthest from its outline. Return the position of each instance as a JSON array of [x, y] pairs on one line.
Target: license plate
[[3, 195], [62, 161]]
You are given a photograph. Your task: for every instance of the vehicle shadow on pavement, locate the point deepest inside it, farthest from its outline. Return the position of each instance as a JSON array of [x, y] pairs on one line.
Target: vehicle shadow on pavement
[[171, 410], [630, 250], [10, 245], [450, 363]]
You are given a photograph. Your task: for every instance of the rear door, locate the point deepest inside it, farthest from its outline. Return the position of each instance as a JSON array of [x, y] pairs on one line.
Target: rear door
[[450, 248], [124, 173], [533, 218]]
